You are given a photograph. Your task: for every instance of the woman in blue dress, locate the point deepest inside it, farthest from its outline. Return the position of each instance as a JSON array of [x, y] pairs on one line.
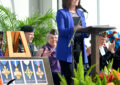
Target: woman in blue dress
[[69, 19]]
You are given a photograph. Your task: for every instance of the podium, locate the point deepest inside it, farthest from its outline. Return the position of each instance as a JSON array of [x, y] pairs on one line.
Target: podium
[[94, 31]]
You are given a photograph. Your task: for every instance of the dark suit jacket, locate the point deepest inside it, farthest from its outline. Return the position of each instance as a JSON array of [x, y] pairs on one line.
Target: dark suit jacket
[[103, 59]]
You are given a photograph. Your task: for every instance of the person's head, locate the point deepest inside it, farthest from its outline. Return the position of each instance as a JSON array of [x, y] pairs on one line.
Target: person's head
[[29, 32], [52, 38], [102, 38], [68, 3], [1, 39]]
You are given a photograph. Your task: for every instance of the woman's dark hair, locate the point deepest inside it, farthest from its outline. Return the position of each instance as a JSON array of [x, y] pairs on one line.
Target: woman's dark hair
[[53, 32], [67, 3], [79, 3]]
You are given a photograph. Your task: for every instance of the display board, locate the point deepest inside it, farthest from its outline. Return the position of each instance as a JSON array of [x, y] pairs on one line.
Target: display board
[[26, 71]]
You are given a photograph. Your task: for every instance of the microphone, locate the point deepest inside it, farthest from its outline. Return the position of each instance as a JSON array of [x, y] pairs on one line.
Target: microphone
[[80, 7]]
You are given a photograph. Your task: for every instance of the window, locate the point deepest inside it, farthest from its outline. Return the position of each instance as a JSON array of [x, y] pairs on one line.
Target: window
[[109, 13]]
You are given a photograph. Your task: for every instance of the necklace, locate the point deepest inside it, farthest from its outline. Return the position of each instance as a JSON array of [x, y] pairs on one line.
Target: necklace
[[39, 72], [28, 71], [5, 71], [17, 72]]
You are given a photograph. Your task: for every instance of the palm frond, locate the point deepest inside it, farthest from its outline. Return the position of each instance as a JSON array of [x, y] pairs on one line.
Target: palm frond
[[41, 23], [8, 20]]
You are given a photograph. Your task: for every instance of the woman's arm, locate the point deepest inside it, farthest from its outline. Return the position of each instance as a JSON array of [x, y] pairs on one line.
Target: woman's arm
[[62, 24]]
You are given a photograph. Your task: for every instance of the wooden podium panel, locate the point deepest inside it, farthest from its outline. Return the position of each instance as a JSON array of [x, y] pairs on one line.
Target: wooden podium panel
[[13, 43], [24, 79]]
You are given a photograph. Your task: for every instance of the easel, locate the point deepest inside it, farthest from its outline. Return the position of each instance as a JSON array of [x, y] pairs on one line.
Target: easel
[[13, 44]]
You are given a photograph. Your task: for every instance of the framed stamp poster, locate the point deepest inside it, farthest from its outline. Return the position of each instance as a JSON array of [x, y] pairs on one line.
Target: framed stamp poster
[[26, 71]]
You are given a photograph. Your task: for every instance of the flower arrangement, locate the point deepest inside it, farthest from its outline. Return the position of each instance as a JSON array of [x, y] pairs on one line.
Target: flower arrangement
[[114, 36], [107, 76], [111, 75]]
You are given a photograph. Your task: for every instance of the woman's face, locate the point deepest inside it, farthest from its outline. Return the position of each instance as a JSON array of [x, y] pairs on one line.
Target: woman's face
[[74, 2], [52, 40]]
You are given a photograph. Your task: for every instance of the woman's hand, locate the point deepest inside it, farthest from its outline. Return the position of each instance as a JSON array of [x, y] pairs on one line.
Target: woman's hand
[[39, 52], [44, 53], [88, 50], [47, 53], [77, 27]]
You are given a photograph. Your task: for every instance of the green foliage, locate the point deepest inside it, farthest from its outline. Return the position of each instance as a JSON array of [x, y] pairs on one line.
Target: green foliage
[[8, 20], [79, 73], [109, 66], [42, 23], [63, 80], [107, 69], [85, 79], [104, 81], [80, 77], [98, 82]]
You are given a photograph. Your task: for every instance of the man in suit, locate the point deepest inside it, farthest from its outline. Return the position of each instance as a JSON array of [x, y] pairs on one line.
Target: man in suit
[[106, 53]]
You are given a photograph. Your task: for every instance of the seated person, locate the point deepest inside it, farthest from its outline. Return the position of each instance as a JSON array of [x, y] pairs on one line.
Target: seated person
[[106, 54], [1, 43], [49, 50], [29, 34]]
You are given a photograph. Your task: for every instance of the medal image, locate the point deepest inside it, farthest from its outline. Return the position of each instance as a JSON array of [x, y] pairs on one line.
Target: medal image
[[17, 73], [28, 71], [39, 72], [5, 71]]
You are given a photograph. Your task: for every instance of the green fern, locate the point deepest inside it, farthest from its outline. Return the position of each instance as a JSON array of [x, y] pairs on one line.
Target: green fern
[[8, 20], [80, 78], [104, 81], [63, 80], [42, 23], [98, 82]]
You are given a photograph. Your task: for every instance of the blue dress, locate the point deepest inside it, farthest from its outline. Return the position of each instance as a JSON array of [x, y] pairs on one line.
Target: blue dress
[[65, 26]]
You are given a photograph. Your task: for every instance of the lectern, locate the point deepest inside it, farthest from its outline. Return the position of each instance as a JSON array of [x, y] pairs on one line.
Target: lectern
[[94, 31]]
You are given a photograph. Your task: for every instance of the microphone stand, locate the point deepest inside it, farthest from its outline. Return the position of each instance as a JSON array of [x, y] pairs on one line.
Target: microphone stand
[[71, 42]]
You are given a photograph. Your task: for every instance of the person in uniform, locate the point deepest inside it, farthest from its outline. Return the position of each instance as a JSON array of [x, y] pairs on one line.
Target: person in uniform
[[29, 34]]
